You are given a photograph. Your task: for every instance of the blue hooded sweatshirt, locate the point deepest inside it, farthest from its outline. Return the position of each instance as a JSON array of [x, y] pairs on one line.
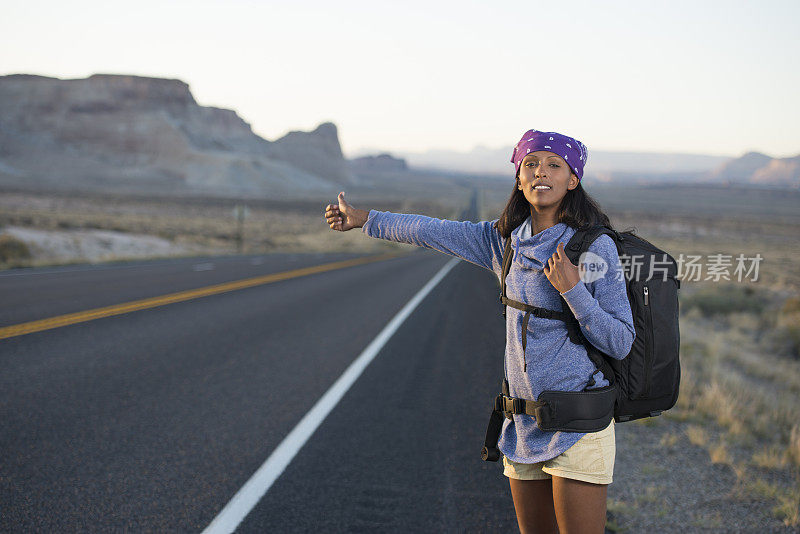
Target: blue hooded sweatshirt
[[553, 361]]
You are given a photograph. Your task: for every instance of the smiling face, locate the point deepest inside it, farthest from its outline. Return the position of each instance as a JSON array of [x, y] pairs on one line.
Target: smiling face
[[544, 179]]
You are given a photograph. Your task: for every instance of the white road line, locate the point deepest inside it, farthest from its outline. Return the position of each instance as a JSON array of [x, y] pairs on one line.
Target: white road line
[[255, 488]]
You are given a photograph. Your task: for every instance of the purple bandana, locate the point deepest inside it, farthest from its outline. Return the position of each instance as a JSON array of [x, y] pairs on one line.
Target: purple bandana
[[573, 151]]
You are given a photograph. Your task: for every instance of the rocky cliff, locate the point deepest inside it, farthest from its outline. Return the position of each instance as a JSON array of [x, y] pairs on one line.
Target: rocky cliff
[[149, 134]]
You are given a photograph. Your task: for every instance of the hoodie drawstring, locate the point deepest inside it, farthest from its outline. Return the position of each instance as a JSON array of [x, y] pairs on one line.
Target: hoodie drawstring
[[525, 339]]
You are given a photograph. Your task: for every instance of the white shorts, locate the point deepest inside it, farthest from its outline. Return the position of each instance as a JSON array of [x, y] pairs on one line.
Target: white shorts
[[591, 459]]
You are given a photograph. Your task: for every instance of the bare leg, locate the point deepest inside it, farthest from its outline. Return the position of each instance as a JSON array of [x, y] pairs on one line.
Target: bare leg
[[533, 502], [580, 506]]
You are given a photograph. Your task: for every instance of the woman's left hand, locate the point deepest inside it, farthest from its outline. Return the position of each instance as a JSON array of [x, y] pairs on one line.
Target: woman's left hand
[[561, 272]]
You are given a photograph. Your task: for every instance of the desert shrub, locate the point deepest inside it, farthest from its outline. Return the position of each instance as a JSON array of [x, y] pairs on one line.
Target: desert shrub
[[787, 341], [770, 457], [793, 451], [785, 335], [12, 249], [791, 306], [719, 454], [724, 300], [697, 435]]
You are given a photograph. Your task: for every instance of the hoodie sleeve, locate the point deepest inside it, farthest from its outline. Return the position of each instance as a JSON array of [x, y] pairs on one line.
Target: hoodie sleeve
[[602, 307], [478, 243]]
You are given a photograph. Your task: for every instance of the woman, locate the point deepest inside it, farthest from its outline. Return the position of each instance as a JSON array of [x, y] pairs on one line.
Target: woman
[[558, 480]]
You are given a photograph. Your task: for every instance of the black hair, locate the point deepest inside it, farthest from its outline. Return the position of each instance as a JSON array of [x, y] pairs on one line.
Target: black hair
[[577, 209]]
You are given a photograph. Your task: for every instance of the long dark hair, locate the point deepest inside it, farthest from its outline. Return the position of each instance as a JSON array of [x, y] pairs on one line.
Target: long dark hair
[[577, 209]]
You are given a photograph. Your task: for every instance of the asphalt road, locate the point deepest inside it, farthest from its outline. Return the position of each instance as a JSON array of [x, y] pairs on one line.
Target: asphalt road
[[152, 420]]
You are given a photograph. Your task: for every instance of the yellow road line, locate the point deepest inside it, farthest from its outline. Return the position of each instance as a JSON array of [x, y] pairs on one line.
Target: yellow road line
[[153, 302]]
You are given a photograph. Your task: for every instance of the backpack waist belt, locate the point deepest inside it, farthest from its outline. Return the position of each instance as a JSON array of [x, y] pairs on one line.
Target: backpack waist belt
[[512, 405], [570, 411]]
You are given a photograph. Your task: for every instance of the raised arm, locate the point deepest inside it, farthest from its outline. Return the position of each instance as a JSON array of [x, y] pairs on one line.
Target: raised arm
[[477, 243]]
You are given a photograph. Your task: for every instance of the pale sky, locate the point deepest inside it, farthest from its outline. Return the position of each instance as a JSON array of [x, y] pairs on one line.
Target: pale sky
[[717, 77]]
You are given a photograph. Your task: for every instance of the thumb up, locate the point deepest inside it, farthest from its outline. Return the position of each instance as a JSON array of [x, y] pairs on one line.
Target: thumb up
[[343, 216]]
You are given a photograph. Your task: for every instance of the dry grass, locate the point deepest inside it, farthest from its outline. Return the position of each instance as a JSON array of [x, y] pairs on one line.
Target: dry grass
[[616, 509], [712, 521], [741, 398], [719, 454], [647, 421], [793, 449], [788, 507], [725, 406], [770, 457], [740, 367], [210, 223], [13, 250], [652, 493], [787, 500], [697, 435], [669, 440]]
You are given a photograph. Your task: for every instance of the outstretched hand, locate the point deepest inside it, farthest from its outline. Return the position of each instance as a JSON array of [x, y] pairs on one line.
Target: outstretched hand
[[561, 272], [343, 216]]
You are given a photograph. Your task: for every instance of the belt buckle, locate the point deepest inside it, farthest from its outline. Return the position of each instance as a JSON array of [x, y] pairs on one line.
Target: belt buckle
[[507, 410]]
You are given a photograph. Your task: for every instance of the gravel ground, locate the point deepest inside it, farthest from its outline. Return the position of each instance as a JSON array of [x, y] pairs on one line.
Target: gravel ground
[[675, 487]]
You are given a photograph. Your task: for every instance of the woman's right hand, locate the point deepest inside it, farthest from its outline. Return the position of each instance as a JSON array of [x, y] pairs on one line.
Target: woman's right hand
[[343, 216]]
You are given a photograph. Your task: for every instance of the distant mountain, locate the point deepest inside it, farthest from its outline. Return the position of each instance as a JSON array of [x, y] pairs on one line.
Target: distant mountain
[[783, 171], [740, 169], [601, 164], [132, 133], [759, 169], [381, 162], [753, 168]]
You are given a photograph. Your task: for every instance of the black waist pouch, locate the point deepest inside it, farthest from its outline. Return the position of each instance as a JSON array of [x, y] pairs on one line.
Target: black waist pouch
[[577, 411]]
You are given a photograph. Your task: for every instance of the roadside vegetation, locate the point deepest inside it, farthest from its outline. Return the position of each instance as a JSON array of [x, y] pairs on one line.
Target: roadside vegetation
[[740, 391], [13, 250], [204, 225]]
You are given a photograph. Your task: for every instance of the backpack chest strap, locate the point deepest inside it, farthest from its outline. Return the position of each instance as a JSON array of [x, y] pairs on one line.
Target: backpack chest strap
[[536, 311], [573, 328]]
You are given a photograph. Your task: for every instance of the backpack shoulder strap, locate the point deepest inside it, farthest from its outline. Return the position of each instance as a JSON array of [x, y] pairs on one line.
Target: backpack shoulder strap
[[577, 245], [504, 271], [584, 237]]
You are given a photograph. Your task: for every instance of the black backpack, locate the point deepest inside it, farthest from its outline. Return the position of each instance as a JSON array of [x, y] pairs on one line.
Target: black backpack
[[648, 378], [645, 382]]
